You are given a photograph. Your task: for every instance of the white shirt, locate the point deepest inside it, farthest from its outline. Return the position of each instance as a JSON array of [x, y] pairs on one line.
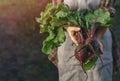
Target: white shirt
[[82, 4]]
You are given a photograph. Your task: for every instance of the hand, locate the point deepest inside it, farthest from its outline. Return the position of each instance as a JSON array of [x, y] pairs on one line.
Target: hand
[[71, 31], [56, 2]]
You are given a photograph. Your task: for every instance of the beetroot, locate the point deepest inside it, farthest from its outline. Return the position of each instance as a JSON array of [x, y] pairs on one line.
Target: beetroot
[[88, 47]]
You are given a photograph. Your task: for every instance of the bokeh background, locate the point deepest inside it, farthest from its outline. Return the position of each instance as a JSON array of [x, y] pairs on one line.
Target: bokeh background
[[20, 42]]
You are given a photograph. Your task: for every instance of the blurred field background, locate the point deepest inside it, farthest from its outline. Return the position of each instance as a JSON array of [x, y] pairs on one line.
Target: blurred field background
[[20, 42]]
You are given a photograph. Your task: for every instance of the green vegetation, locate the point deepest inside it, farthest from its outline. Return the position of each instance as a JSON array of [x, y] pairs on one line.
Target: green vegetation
[[54, 19]]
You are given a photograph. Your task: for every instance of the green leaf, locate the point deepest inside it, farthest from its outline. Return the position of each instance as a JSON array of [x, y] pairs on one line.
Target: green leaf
[[61, 14], [47, 47], [88, 65], [48, 44], [60, 37], [103, 17], [89, 18]]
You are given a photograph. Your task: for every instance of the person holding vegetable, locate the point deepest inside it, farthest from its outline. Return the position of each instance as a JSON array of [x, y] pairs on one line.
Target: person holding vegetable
[[68, 66]]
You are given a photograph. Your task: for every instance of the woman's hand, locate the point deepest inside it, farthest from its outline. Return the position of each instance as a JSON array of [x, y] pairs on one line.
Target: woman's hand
[[56, 2], [71, 31]]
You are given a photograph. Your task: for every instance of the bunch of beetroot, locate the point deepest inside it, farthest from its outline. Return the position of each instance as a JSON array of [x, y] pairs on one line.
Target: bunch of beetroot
[[89, 48]]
